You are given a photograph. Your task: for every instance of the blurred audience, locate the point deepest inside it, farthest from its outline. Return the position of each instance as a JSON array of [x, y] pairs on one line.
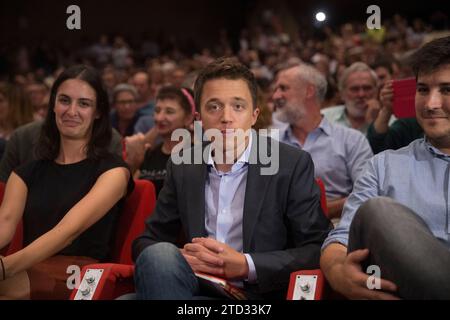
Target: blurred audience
[[39, 93], [15, 109], [125, 113], [174, 109], [358, 86]]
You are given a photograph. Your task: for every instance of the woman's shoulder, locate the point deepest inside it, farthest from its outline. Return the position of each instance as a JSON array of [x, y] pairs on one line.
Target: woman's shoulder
[[110, 161], [32, 165], [26, 171]]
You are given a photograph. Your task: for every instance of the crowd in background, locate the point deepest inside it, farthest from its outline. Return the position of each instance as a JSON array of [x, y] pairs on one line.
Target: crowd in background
[[147, 65], [328, 92]]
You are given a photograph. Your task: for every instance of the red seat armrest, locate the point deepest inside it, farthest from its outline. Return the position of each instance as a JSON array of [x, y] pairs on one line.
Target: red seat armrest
[[113, 281]]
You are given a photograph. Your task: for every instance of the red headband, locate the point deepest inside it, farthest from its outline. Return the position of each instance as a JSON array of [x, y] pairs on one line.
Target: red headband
[[190, 99]]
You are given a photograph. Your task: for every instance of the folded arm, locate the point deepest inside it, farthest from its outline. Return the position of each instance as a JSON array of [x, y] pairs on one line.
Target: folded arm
[[110, 187]]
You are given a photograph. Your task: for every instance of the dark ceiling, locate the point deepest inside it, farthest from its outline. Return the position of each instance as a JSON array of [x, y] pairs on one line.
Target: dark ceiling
[[25, 21]]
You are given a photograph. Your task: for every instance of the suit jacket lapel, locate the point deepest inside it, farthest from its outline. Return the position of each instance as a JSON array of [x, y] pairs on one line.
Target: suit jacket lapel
[[254, 195], [195, 180]]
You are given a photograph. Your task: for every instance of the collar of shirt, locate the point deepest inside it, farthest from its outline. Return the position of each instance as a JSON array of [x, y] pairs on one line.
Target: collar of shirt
[[343, 119], [325, 126], [342, 115], [435, 151], [288, 136], [241, 161]]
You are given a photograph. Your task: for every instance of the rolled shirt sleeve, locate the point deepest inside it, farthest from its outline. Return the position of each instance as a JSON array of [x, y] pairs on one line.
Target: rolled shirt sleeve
[[365, 188]]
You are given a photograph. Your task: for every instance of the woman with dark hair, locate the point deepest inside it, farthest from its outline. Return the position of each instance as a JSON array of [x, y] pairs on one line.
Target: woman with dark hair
[[174, 109], [69, 198]]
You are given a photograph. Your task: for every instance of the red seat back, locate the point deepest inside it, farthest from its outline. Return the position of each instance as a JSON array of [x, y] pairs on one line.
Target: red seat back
[[323, 196], [138, 206]]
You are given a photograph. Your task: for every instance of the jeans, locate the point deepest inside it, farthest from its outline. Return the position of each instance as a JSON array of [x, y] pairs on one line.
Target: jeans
[[406, 251], [162, 273]]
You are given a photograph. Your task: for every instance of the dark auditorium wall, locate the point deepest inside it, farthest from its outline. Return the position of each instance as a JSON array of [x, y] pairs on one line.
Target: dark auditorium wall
[[28, 21], [45, 19]]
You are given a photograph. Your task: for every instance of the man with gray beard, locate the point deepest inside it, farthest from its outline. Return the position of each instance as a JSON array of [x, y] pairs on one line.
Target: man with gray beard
[[358, 88], [338, 153]]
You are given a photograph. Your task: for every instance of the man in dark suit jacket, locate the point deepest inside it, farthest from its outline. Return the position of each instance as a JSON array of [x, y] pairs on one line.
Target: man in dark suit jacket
[[238, 224]]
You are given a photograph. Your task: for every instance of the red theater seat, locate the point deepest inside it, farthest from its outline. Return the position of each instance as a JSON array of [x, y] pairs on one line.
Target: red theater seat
[[117, 279], [138, 206], [309, 284], [323, 196]]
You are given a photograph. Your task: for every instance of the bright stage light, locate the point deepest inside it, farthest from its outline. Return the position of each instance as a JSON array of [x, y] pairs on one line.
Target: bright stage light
[[320, 16]]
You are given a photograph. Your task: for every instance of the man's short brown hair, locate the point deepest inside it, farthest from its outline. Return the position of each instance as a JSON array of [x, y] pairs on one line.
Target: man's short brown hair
[[225, 68], [431, 56]]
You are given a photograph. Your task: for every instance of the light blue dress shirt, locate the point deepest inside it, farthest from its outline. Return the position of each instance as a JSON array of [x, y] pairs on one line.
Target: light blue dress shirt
[[224, 200], [338, 115], [416, 176], [339, 155]]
